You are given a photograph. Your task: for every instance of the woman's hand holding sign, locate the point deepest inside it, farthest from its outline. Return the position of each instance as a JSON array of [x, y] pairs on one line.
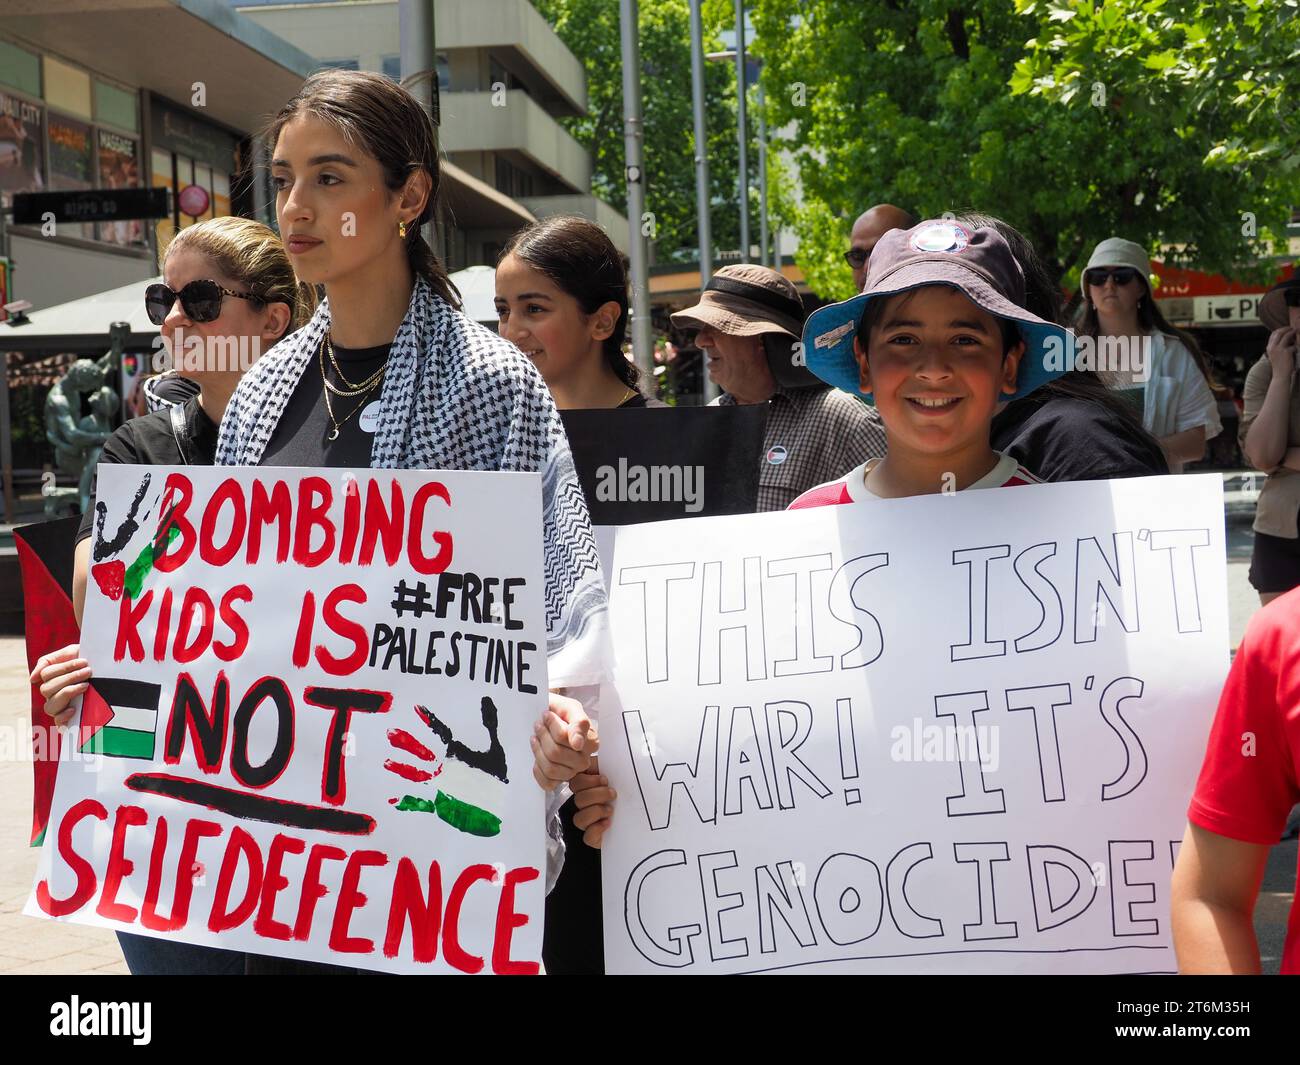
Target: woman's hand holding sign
[[62, 676], [563, 742]]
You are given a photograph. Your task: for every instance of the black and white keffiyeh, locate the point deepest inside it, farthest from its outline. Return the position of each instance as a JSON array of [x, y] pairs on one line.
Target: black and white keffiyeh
[[458, 397]]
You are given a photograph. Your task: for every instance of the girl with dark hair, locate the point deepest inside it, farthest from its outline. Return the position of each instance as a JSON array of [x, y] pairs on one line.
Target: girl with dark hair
[[1074, 428], [1162, 370], [389, 374], [562, 300]]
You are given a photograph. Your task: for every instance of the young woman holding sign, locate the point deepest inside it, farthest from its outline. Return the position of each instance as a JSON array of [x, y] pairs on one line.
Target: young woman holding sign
[[227, 284], [389, 373]]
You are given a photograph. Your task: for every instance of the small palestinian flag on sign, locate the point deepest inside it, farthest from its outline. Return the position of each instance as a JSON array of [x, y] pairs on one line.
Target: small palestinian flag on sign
[[119, 718]]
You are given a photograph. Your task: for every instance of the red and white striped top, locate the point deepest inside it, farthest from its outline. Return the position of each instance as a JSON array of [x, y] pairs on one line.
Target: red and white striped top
[[852, 487]]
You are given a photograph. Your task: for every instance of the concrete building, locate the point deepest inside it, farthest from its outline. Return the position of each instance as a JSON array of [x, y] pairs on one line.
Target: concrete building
[[120, 94], [505, 80]]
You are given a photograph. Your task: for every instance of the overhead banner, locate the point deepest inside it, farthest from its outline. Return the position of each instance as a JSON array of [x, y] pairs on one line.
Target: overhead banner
[[308, 729], [946, 734]]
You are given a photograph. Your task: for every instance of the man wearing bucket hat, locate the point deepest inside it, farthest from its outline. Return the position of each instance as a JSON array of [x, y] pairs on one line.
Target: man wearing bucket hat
[[937, 337], [1270, 439], [1159, 368], [748, 321]]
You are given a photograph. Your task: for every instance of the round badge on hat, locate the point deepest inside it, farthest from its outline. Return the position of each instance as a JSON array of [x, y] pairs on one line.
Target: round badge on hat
[[941, 236]]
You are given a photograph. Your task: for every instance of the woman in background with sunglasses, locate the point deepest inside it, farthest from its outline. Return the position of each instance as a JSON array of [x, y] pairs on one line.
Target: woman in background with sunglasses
[[1270, 438], [228, 294], [1167, 380]]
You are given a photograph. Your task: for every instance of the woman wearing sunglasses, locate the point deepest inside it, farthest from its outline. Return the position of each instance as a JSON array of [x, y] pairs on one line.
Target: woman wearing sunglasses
[[1159, 369], [389, 374], [228, 293], [1270, 438]]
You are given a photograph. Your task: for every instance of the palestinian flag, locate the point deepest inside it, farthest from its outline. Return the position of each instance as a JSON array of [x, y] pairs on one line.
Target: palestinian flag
[[45, 552], [119, 718]]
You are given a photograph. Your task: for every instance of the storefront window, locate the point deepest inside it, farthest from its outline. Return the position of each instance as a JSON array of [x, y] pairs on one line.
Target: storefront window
[[117, 107], [66, 146], [189, 151], [22, 154], [67, 88], [71, 165], [119, 168]]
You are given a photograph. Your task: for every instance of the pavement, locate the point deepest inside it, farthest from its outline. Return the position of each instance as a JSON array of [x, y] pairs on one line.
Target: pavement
[[30, 945], [27, 944]]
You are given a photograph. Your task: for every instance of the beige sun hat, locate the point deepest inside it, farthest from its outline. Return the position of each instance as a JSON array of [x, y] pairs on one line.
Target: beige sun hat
[[746, 300], [1116, 251]]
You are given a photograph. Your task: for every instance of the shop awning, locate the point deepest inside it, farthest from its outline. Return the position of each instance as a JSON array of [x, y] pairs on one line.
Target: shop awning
[[247, 72], [82, 324]]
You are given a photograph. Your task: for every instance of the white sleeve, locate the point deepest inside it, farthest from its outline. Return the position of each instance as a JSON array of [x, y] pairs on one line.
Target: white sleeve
[[1196, 403]]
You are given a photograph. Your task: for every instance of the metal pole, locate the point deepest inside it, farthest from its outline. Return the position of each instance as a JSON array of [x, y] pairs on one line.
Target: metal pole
[[419, 56], [740, 131], [633, 141], [701, 146], [702, 194], [762, 175], [6, 428], [6, 437]]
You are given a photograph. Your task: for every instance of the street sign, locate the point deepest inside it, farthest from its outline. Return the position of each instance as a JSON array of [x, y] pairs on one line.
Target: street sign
[[89, 205], [1230, 309]]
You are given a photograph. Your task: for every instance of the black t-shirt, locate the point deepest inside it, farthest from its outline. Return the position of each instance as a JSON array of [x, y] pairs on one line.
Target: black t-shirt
[[1065, 438], [149, 441], [301, 438]]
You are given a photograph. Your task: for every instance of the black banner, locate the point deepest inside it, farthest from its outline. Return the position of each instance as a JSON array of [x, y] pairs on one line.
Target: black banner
[[90, 205], [654, 464]]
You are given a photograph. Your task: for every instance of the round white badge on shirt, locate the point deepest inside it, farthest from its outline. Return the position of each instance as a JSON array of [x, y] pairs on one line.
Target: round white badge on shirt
[[368, 420]]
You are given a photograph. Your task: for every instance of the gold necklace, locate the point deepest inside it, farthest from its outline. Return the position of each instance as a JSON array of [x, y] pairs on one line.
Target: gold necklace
[[349, 388], [329, 407]]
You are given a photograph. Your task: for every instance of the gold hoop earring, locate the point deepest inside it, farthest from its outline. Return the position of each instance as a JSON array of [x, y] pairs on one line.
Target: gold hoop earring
[[401, 230]]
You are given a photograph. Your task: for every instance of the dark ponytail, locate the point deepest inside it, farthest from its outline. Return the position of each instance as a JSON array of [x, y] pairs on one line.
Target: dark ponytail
[[390, 124], [579, 257]]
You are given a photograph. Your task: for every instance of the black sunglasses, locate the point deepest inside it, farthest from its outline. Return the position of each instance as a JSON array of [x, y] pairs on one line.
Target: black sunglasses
[[855, 257], [1292, 296], [1123, 275], [201, 300]]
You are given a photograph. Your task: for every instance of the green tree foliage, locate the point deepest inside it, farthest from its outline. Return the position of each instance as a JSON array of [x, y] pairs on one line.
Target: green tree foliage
[[1170, 122], [590, 29]]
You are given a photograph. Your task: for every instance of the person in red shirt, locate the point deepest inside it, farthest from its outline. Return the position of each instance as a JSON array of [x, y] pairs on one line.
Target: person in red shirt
[[1247, 786], [938, 337]]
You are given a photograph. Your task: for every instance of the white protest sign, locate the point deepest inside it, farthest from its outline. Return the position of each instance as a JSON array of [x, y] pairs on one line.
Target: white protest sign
[[308, 729], [952, 733]]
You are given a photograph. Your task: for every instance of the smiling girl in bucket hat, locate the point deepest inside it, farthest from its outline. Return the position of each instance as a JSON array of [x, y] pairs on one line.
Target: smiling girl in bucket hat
[[937, 338]]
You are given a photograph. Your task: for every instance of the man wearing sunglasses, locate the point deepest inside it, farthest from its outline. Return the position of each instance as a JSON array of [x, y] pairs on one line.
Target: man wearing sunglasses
[[867, 230]]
